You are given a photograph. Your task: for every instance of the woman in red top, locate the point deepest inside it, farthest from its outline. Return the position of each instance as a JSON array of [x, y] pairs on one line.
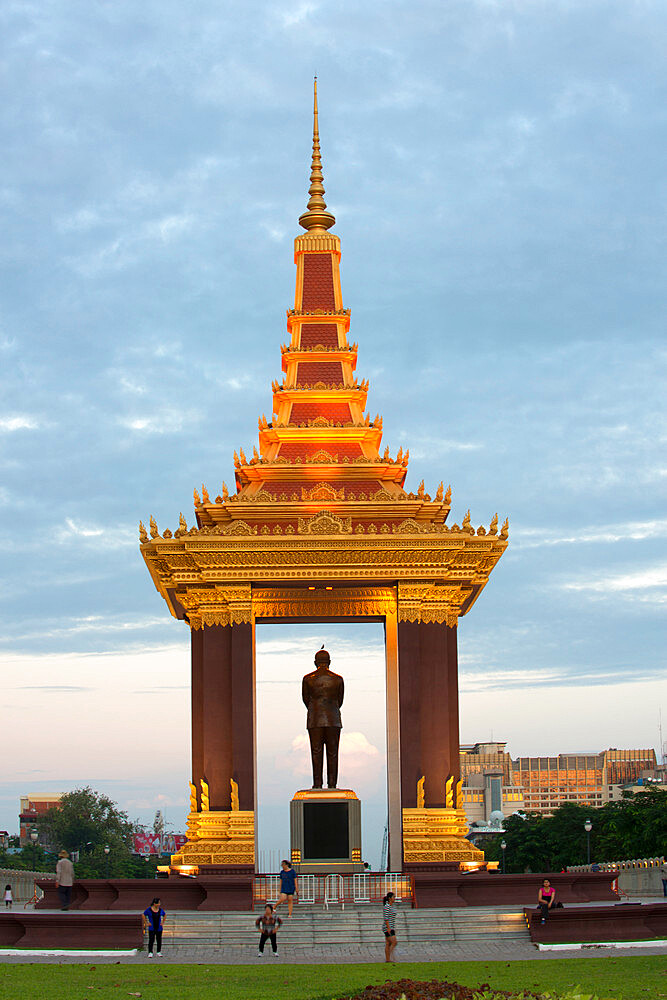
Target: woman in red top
[[546, 898]]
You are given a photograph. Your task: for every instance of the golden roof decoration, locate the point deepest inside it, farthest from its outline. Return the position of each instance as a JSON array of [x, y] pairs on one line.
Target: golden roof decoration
[[316, 219]]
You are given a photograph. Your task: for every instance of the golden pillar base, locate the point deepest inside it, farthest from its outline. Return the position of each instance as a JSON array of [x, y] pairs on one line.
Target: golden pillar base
[[217, 838], [437, 836]]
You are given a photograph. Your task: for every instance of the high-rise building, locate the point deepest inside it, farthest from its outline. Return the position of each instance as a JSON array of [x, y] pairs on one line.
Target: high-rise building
[[495, 783]]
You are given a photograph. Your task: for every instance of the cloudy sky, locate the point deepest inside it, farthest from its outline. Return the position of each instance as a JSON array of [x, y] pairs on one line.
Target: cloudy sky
[[497, 173]]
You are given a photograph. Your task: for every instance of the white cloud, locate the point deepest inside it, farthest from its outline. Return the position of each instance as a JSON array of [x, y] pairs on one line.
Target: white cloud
[[19, 422], [167, 421], [102, 536], [294, 15], [359, 759], [426, 447], [654, 576], [583, 96], [534, 538]]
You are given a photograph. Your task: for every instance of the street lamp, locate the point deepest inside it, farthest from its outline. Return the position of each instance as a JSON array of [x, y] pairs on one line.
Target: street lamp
[[588, 826], [106, 851], [503, 848], [34, 836]]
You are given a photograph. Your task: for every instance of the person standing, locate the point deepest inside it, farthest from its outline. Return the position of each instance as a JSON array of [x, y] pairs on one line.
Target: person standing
[[289, 887], [64, 879], [268, 924], [663, 876], [154, 917], [546, 898], [389, 926], [8, 898]]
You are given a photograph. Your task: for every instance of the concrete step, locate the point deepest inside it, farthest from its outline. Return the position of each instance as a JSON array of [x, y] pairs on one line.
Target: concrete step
[[358, 925]]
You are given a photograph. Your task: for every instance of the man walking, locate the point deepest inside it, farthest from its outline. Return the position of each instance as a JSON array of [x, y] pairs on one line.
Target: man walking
[[64, 879]]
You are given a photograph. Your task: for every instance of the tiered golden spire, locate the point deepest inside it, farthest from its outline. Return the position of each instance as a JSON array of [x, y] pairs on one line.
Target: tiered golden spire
[[316, 219]]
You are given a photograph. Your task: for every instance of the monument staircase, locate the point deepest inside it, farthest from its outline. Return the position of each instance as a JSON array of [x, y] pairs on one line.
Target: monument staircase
[[357, 925]]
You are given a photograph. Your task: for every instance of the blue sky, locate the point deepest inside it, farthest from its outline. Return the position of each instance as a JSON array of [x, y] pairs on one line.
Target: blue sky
[[497, 173]]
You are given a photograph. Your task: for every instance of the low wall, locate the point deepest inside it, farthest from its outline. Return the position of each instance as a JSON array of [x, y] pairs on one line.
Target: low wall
[[70, 930], [485, 889], [638, 877], [623, 922], [229, 892], [22, 882]]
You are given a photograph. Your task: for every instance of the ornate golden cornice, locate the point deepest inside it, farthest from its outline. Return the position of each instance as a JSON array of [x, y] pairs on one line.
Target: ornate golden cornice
[[206, 576]]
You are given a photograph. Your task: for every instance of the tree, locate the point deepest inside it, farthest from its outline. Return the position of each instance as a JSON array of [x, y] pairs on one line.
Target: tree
[[634, 827], [86, 821]]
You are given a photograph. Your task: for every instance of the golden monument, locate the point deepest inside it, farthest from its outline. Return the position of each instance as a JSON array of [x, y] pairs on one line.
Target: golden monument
[[319, 527]]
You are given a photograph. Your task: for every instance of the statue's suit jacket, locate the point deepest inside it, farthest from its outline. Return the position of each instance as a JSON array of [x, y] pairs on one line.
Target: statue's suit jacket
[[322, 692]]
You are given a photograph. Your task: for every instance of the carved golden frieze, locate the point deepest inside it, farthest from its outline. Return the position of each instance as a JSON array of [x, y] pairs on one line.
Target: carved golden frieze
[[322, 491], [218, 605], [325, 523], [431, 602], [294, 602]]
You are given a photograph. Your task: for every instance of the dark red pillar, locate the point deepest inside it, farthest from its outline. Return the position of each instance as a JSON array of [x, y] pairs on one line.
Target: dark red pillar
[[428, 710], [223, 713]]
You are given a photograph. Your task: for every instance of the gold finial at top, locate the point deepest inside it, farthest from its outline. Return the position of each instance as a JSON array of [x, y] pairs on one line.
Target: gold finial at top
[[316, 219]]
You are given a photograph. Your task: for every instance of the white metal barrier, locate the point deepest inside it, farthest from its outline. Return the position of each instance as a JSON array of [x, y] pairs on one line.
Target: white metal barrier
[[306, 885], [394, 883], [334, 891], [361, 888], [272, 888]]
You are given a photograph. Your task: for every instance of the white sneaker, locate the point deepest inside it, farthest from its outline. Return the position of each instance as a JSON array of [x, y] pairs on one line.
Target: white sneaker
[[260, 954], [275, 954], [150, 954], [159, 954]]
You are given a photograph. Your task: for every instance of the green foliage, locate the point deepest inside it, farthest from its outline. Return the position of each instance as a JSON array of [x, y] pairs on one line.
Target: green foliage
[[32, 858], [631, 828], [85, 818], [86, 821]]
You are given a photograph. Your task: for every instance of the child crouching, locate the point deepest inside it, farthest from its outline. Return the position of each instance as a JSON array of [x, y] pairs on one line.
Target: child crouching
[[268, 924]]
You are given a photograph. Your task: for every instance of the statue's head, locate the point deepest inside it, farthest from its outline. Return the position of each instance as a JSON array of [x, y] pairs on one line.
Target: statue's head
[[322, 658]]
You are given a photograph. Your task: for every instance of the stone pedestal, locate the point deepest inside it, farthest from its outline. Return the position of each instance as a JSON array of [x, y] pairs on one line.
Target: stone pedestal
[[325, 831]]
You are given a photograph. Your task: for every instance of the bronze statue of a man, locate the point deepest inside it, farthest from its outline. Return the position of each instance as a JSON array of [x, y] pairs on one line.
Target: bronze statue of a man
[[322, 692]]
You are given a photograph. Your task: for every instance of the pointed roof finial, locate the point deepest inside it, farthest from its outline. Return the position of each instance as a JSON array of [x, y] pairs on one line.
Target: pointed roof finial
[[316, 219]]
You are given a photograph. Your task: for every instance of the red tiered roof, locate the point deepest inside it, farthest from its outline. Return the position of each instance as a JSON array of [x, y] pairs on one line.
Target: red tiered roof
[[304, 449], [312, 372], [314, 334], [301, 413], [318, 285], [319, 406]]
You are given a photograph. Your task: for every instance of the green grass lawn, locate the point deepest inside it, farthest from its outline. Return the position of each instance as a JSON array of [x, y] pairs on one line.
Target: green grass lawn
[[641, 978]]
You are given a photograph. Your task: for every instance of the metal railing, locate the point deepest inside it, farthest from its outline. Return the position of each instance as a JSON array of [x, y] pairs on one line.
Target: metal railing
[[24, 887], [614, 866], [332, 889]]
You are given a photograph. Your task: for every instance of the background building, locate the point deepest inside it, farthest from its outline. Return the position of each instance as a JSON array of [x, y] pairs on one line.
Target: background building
[[494, 783], [32, 808]]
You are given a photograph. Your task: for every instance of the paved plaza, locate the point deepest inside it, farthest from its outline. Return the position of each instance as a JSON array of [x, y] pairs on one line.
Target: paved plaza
[[472, 952], [486, 948]]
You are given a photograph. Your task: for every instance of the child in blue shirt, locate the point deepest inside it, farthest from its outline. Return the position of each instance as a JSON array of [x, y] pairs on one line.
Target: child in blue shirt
[[289, 887], [153, 917]]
